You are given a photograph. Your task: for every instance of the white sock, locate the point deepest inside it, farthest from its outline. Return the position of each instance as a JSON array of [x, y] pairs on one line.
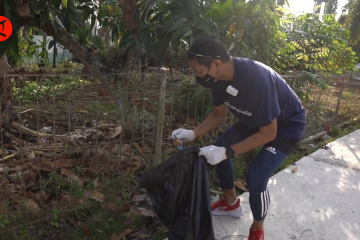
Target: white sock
[[232, 204]]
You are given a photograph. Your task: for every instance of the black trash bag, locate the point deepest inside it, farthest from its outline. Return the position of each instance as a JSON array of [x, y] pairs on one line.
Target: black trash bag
[[180, 193]]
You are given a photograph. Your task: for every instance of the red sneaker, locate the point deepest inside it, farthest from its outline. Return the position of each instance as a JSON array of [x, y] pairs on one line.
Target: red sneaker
[[256, 234], [222, 208]]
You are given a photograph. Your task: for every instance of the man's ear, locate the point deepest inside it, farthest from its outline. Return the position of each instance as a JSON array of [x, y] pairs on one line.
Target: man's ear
[[217, 63]]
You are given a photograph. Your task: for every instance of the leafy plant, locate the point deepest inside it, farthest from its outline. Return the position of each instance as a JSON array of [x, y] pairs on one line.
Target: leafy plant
[[55, 218], [4, 221], [318, 45]]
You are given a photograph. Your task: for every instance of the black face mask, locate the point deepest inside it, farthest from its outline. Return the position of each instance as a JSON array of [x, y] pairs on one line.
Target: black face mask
[[207, 81]]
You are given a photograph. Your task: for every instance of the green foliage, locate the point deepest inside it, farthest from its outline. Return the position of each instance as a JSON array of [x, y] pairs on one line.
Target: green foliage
[[98, 42], [253, 29], [113, 57], [49, 88], [4, 221], [83, 35], [24, 47], [171, 26], [353, 21], [71, 17], [318, 46], [248, 28]]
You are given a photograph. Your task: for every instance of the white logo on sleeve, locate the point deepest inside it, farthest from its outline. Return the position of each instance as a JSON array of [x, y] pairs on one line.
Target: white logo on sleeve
[[271, 149], [238, 110]]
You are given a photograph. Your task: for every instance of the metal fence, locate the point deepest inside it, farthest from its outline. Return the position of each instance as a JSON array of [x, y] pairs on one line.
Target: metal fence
[[64, 131], [61, 104]]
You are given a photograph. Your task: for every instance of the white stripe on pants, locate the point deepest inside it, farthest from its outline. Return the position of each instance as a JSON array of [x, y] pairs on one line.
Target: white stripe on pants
[[265, 201]]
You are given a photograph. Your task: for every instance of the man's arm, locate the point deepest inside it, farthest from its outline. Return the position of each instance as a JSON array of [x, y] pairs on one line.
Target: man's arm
[[212, 120], [265, 135]]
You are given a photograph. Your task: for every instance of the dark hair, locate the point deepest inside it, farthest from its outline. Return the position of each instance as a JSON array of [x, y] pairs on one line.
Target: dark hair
[[207, 48]]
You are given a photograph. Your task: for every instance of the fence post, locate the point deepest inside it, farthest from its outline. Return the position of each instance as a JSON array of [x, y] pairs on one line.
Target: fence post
[[160, 119], [342, 86]]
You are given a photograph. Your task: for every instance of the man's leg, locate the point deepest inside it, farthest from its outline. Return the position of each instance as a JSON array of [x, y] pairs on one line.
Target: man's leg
[[230, 205], [225, 169], [257, 177]]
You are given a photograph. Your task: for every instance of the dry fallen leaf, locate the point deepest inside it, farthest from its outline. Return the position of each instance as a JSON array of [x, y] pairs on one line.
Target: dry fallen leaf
[[45, 160], [295, 169], [96, 156], [112, 206], [72, 177], [4, 182], [241, 185], [83, 111], [5, 193], [29, 178], [4, 167], [143, 233], [40, 196], [124, 148], [46, 167], [98, 196], [29, 156], [17, 168], [65, 199], [62, 163], [122, 235], [163, 229], [96, 182], [30, 205], [111, 133], [30, 195], [140, 149], [145, 212], [216, 192], [84, 228], [132, 164]]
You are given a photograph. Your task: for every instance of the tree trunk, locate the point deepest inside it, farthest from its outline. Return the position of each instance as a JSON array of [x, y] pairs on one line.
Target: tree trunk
[[129, 10], [5, 89], [7, 113], [107, 37]]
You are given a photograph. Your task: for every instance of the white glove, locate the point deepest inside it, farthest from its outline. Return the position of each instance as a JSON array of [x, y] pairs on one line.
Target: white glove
[[213, 154], [183, 135]]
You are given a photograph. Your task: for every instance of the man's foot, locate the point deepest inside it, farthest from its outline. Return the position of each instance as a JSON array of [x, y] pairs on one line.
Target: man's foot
[[222, 208], [256, 234]]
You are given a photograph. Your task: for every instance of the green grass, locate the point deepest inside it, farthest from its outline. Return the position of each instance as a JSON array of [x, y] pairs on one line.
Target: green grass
[[48, 88]]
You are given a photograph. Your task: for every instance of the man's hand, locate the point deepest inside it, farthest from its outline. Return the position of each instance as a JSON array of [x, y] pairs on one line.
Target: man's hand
[[213, 154], [183, 135]]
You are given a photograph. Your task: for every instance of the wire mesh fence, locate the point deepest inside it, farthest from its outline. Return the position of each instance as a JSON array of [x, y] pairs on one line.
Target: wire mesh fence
[[64, 145]]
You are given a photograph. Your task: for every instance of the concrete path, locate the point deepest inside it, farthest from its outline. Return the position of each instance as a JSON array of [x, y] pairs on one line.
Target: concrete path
[[320, 201]]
